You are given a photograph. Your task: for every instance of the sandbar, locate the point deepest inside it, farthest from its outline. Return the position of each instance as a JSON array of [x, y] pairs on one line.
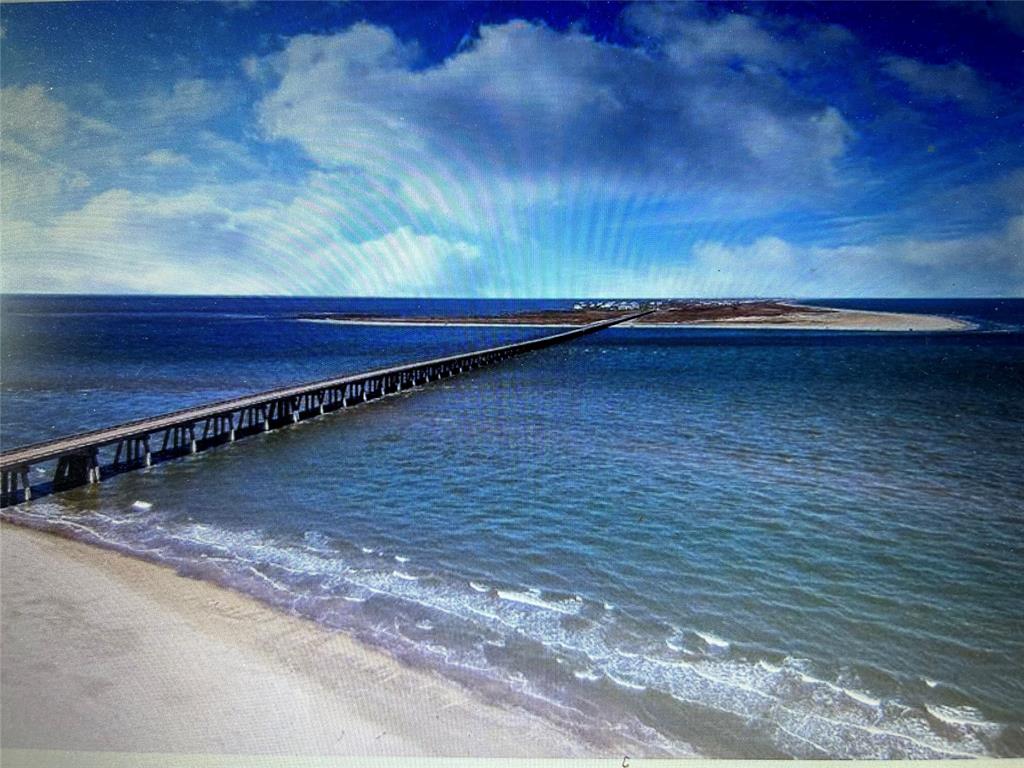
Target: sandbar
[[738, 314]]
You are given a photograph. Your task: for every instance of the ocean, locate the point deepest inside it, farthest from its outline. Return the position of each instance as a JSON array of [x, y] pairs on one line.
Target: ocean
[[715, 542]]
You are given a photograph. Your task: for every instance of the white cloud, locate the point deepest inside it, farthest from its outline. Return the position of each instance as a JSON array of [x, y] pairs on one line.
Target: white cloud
[[692, 38], [954, 82], [164, 158], [401, 263], [33, 117], [120, 241], [523, 102], [989, 264], [530, 162], [192, 100], [217, 240], [41, 140]]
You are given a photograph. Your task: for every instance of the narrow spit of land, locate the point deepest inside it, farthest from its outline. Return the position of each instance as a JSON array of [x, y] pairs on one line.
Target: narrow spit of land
[[765, 314]]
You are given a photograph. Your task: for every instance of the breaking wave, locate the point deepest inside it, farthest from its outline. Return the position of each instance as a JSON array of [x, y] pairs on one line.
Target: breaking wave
[[511, 634]]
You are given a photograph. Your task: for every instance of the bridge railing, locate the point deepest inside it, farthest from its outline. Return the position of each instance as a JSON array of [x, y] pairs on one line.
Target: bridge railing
[[143, 442]]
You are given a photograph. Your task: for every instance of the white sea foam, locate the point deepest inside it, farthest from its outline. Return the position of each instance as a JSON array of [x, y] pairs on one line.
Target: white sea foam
[[960, 716], [142, 506], [424, 625], [862, 697], [401, 559], [930, 683], [317, 541], [367, 550], [531, 598], [587, 674], [625, 683], [352, 599], [712, 641], [853, 693], [406, 576], [828, 719]]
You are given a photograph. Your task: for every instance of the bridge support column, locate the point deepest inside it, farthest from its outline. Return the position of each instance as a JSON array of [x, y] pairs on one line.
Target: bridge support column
[[72, 470], [147, 456], [192, 447], [26, 489], [7, 487]]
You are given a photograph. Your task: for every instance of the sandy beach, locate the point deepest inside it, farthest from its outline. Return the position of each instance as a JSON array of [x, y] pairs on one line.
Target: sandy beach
[[103, 652]]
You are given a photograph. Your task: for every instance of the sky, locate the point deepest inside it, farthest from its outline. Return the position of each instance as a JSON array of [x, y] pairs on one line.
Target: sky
[[513, 150]]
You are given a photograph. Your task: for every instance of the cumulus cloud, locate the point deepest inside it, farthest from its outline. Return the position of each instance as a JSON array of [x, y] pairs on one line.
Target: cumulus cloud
[[953, 82], [401, 263], [691, 37], [171, 244], [988, 264], [32, 116], [191, 100], [37, 133], [525, 101], [191, 243], [528, 162], [164, 158]]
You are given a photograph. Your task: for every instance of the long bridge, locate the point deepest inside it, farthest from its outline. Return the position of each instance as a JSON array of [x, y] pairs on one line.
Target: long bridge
[[78, 459]]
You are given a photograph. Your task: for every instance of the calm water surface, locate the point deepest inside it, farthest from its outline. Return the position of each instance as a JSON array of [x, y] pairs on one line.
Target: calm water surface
[[732, 543]]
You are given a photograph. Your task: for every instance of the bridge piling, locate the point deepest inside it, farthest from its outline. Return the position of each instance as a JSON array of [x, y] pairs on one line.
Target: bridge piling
[[26, 488], [78, 456]]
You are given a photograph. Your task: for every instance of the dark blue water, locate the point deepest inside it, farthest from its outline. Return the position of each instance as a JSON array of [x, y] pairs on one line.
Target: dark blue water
[[749, 543], [73, 363]]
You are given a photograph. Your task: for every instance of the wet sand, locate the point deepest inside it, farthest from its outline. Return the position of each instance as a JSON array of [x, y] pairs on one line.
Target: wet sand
[[104, 652]]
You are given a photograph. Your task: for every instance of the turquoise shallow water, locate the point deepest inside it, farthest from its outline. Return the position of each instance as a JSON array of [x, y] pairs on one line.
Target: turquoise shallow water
[[728, 543]]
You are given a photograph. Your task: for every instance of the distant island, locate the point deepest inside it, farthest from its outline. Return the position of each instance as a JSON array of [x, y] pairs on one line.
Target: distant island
[[739, 314]]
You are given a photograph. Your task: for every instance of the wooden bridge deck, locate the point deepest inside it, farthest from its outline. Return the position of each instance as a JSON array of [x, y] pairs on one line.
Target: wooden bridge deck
[[78, 458]]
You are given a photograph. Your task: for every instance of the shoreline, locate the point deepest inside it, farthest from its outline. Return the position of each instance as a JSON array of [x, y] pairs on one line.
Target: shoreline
[[106, 652], [798, 317]]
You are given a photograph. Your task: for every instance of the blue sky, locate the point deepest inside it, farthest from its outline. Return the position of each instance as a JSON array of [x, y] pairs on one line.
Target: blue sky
[[515, 150]]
